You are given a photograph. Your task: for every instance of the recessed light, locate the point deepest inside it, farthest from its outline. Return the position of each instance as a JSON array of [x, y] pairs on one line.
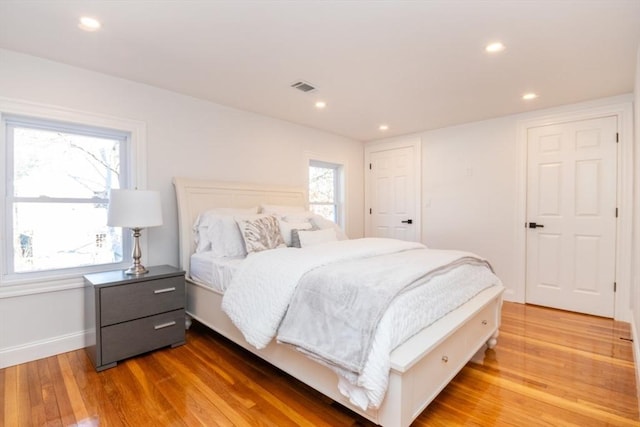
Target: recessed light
[[321, 104], [494, 47], [529, 96], [383, 127], [89, 24]]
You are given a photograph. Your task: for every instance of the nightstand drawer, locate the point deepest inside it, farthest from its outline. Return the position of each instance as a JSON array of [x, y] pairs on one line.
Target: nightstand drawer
[[138, 336], [125, 302]]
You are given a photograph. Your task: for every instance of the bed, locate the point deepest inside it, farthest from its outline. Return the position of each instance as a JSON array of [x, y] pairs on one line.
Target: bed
[[419, 368]]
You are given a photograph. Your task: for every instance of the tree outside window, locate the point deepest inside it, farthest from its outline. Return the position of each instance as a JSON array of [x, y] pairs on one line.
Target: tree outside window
[[324, 190], [59, 180]]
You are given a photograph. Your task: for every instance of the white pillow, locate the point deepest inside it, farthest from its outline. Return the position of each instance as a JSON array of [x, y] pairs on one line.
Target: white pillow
[[286, 228], [311, 238], [323, 224], [208, 218], [280, 210], [302, 216], [224, 237], [260, 233]]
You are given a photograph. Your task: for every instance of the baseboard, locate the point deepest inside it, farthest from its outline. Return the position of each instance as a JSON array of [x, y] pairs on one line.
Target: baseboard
[[636, 353], [39, 349]]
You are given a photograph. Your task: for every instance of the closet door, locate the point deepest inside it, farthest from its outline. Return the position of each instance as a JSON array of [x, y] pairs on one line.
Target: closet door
[[571, 215], [392, 199]]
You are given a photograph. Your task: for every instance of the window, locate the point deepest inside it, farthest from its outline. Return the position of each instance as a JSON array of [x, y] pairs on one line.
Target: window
[[58, 178], [325, 190]]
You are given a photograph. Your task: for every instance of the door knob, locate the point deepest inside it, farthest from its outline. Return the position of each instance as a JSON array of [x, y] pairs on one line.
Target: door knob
[[409, 221], [534, 225]]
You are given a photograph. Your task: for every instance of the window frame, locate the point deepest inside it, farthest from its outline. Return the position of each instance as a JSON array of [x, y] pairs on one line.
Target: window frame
[[338, 189], [134, 169], [17, 122]]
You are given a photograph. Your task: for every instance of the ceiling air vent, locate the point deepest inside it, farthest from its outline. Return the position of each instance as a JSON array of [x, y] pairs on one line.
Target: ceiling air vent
[[303, 86]]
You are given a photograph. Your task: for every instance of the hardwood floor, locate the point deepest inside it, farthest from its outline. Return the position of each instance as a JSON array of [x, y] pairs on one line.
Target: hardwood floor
[[550, 368]]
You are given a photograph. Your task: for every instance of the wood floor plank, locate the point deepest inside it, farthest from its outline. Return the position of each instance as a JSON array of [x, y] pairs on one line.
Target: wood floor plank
[[49, 398], [70, 386], [550, 368], [2, 394], [65, 406], [563, 376], [120, 384], [162, 408], [263, 379], [193, 408], [94, 395], [10, 398], [35, 395], [24, 397], [211, 397]]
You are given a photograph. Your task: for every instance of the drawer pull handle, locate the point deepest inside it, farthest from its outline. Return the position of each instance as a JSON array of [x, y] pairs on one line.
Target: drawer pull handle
[[162, 291], [445, 359], [484, 322], [164, 325]]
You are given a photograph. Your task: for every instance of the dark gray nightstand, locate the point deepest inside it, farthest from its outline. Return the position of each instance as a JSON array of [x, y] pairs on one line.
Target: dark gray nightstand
[[129, 315]]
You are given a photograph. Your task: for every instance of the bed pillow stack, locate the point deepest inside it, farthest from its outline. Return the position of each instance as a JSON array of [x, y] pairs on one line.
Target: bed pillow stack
[[301, 228], [216, 230], [235, 232]]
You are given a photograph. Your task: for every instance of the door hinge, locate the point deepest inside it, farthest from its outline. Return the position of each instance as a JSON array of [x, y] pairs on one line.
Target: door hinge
[[615, 286], [617, 137], [616, 212], [370, 211]]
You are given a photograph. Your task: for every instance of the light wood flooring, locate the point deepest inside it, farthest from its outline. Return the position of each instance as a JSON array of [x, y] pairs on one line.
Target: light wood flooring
[[550, 368]]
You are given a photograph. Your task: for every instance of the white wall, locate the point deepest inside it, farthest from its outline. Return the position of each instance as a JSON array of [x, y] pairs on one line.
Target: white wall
[[635, 274], [185, 137], [470, 189]]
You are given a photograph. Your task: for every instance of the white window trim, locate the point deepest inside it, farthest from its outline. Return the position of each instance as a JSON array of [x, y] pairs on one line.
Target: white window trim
[[342, 167], [136, 168]]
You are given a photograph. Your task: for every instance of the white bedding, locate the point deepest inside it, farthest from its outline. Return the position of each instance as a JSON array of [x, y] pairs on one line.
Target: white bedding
[[261, 289], [259, 295], [406, 316], [214, 272]]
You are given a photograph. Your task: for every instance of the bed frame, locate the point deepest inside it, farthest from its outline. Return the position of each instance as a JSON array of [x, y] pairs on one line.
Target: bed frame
[[420, 368]]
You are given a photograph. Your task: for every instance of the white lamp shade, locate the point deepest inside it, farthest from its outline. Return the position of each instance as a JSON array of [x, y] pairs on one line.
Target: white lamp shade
[[134, 209]]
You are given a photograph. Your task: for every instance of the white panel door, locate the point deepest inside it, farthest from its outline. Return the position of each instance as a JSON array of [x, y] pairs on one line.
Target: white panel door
[[393, 205], [571, 215]]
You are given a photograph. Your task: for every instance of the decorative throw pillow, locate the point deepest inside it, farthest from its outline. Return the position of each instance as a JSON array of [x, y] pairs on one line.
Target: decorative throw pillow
[[261, 233], [311, 238]]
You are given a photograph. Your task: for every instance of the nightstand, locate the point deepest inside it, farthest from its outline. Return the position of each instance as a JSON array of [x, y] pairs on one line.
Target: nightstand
[[129, 315]]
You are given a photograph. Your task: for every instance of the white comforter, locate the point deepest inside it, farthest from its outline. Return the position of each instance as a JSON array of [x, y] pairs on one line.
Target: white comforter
[[261, 289], [258, 297]]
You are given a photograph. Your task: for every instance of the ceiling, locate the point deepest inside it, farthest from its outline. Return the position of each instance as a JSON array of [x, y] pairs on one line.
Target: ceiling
[[413, 65]]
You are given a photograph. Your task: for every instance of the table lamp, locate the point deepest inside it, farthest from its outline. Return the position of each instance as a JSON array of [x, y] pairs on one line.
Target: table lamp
[[134, 209]]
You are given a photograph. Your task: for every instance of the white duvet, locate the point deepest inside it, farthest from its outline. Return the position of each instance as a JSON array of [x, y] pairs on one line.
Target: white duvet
[[259, 294], [261, 289]]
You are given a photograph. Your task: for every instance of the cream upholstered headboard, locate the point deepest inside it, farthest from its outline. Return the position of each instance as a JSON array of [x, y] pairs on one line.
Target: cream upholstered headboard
[[196, 196]]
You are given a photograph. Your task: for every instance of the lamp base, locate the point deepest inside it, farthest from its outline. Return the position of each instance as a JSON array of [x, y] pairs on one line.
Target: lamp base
[[136, 270]]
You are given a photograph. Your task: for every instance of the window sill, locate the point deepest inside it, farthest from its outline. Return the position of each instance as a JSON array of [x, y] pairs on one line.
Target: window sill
[[11, 287]]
